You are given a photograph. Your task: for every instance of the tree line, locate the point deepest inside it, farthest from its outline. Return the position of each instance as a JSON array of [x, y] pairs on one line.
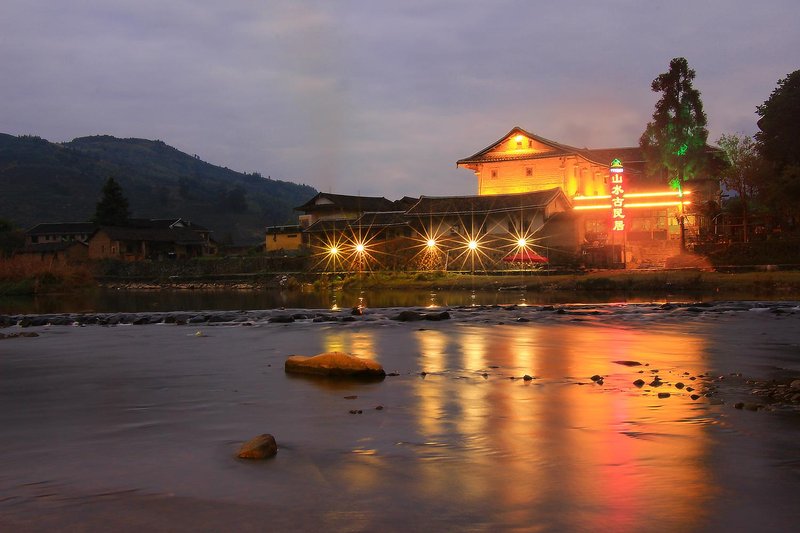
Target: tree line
[[763, 171]]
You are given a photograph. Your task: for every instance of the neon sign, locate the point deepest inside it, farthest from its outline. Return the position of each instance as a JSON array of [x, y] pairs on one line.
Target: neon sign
[[617, 196]]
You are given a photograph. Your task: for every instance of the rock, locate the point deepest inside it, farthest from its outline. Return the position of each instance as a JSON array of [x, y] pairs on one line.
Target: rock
[[261, 447], [596, 378], [628, 363], [738, 405], [526, 377], [694, 396], [334, 364], [679, 385], [281, 319], [444, 315], [656, 382], [795, 385], [357, 311], [663, 395], [409, 316], [522, 319], [639, 383]]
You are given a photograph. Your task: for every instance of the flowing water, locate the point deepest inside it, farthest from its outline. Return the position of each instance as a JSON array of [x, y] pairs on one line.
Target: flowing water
[[110, 300], [132, 427]]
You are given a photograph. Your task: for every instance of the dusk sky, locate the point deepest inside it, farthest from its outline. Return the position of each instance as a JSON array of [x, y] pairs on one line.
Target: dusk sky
[[378, 98]]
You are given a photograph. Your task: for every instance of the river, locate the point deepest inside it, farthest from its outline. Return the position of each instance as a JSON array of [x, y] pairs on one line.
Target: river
[[130, 427]]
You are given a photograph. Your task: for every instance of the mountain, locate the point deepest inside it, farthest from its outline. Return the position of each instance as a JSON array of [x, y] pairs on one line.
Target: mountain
[[42, 181]]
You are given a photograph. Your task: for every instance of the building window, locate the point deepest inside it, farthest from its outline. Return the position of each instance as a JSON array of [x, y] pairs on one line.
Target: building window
[[530, 143], [494, 174], [529, 171]]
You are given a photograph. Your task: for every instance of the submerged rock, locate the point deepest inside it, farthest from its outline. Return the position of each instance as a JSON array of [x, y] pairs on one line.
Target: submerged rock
[[336, 364], [261, 447]]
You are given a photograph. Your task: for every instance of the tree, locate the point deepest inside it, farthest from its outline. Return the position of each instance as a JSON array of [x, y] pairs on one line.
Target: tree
[[112, 209], [743, 171], [674, 142], [779, 144], [11, 238]]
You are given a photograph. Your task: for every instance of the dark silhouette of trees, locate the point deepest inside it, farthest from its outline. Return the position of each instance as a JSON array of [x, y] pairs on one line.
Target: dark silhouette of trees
[[779, 144], [743, 172], [674, 142], [112, 209], [11, 238]]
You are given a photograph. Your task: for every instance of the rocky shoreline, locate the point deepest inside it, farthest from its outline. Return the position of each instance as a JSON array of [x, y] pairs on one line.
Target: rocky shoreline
[[781, 392], [494, 313]]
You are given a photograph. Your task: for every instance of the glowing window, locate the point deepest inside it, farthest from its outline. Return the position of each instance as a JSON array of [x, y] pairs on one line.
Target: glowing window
[[494, 174], [529, 171]]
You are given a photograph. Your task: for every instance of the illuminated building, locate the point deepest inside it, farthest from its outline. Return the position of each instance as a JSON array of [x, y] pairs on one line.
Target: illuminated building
[[521, 161], [567, 205]]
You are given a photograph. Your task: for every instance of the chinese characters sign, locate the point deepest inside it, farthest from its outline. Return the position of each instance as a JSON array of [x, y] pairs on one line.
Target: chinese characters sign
[[617, 196]]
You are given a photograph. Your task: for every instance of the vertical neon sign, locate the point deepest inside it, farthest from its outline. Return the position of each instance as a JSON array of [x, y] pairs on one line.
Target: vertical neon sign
[[617, 196]]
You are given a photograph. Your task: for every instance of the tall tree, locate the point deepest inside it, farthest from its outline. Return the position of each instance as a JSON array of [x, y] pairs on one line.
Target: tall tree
[[112, 209], [674, 142], [779, 143]]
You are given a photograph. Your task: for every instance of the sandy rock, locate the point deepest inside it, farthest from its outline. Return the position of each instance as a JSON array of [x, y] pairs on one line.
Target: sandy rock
[[334, 364], [261, 447]]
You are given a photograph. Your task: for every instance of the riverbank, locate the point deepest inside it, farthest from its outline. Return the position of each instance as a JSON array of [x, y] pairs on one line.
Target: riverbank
[[778, 283]]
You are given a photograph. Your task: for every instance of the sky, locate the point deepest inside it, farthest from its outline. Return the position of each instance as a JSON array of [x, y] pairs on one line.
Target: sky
[[378, 98]]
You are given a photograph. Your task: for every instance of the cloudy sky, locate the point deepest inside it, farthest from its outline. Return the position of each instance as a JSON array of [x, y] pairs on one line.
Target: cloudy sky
[[373, 97]]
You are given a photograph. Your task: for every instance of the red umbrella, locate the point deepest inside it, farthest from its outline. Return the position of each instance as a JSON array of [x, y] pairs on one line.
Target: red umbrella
[[525, 256]]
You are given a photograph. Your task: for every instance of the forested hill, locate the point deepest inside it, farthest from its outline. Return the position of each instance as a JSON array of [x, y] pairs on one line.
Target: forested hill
[[42, 181]]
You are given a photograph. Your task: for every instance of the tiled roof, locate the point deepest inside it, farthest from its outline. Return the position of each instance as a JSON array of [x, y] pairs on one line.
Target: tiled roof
[[164, 223], [483, 156], [382, 219], [603, 156], [275, 230], [496, 203], [176, 235], [65, 228], [345, 202], [325, 226]]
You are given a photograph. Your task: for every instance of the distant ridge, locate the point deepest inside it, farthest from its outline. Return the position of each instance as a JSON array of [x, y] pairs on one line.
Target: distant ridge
[[43, 181]]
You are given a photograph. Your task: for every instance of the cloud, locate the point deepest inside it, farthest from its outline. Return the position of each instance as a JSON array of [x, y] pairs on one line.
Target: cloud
[[375, 97]]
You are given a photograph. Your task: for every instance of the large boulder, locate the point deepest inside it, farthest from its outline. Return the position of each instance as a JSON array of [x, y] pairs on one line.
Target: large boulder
[[261, 447], [336, 364]]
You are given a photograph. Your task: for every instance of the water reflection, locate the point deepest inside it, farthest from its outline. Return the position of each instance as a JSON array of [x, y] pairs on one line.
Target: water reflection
[[564, 440], [360, 343]]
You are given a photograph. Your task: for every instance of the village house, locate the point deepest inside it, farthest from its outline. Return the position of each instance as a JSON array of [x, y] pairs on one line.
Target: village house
[[155, 239], [138, 244], [287, 238], [646, 229], [67, 251], [60, 232]]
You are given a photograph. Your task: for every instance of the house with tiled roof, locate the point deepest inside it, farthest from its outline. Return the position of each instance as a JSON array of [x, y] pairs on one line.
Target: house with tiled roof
[[53, 232], [637, 223], [137, 244]]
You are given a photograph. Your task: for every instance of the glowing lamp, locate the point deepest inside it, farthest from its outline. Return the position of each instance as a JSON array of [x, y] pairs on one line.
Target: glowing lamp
[[522, 243], [360, 248], [431, 243], [333, 250], [472, 245]]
